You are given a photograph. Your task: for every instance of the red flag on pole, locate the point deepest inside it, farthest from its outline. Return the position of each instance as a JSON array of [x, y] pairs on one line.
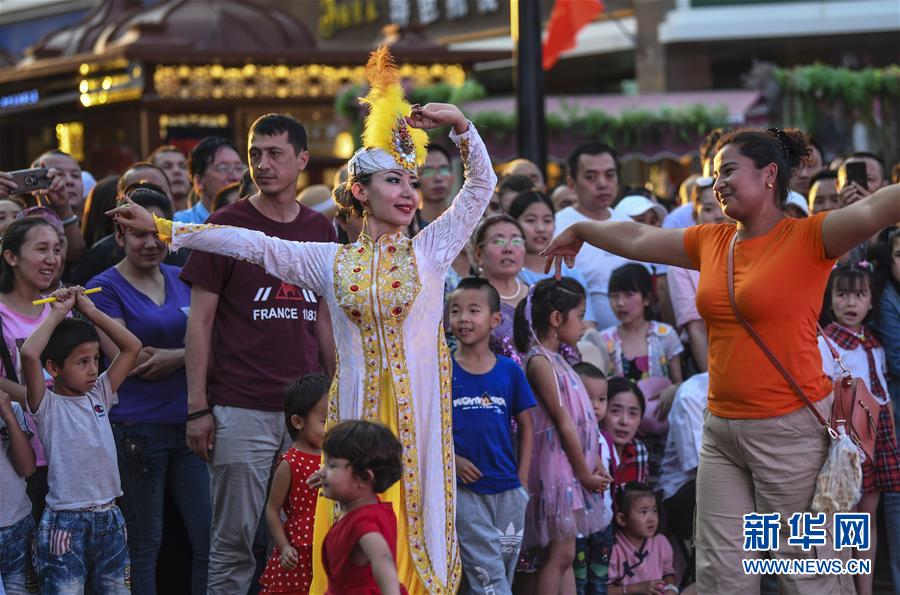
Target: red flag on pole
[[566, 20]]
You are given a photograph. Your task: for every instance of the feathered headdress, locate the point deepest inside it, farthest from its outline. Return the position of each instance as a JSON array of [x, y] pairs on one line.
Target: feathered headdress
[[388, 142]]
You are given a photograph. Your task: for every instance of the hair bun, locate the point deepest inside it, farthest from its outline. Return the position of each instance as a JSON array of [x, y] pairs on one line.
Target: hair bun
[[794, 144]]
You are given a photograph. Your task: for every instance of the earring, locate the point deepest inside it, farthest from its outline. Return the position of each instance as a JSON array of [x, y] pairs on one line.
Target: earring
[[365, 220], [769, 185]]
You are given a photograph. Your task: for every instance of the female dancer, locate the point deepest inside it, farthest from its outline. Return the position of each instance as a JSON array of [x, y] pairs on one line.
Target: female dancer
[[385, 293]]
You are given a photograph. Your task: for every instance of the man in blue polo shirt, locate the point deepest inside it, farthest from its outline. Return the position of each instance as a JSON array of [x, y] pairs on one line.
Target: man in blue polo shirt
[[213, 164]]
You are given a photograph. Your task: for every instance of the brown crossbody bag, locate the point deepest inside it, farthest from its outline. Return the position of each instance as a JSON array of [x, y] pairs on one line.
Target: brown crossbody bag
[[854, 406]]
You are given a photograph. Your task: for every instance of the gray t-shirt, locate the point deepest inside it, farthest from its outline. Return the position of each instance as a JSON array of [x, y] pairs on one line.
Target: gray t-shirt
[[79, 446], [14, 502]]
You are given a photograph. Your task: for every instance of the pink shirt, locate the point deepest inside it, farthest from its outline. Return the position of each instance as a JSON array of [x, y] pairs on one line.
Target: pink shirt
[[629, 565], [17, 328], [683, 293]]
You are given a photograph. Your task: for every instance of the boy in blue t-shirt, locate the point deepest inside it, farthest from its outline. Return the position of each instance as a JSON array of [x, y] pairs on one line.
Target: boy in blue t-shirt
[[488, 391]]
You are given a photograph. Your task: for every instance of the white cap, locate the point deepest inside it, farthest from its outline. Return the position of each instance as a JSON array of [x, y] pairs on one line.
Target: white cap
[[636, 205], [797, 199]]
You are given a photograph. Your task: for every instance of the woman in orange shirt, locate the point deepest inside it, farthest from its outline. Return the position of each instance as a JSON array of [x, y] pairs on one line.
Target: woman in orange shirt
[[762, 449]]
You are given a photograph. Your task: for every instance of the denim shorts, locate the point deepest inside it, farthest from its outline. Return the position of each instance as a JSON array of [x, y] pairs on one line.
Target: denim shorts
[[75, 549], [16, 570]]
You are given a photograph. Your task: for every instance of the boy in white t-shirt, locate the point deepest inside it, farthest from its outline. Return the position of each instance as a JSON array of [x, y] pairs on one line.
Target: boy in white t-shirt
[[17, 461], [81, 537]]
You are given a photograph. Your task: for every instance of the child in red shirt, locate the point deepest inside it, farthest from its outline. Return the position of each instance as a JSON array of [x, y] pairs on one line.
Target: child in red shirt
[[362, 459]]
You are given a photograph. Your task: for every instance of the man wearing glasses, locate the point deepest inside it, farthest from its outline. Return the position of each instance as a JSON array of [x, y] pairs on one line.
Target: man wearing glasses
[[213, 164], [436, 178]]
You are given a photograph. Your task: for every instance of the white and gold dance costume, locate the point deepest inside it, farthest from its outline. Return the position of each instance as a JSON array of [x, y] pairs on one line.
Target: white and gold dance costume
[[386, 302]]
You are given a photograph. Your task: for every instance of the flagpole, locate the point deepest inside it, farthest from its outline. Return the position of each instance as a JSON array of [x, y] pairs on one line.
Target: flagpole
[[525, 16]]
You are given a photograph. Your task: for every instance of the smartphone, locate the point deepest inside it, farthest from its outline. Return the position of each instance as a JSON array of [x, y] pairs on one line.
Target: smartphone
[[29, 180], [856, 172]]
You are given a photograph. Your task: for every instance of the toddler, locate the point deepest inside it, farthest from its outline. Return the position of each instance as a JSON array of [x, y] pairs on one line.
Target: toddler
[[362, 459], [290, 566], [641, 560]]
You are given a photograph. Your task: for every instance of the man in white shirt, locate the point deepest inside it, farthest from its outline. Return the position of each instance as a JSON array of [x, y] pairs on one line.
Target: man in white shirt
[[594, 177]]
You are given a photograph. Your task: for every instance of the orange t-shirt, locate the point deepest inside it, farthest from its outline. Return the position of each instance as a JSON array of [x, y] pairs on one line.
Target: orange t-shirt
[[779, 283]]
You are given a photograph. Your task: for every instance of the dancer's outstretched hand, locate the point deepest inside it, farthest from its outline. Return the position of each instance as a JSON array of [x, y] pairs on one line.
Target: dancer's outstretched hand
[[133, 216]]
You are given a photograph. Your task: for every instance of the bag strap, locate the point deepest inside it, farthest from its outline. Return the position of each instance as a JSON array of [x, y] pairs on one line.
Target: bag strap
[[834, 353], [787, 375]]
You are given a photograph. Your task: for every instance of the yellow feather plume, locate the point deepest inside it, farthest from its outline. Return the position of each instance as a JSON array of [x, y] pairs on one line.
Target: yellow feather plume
[[384, 126]]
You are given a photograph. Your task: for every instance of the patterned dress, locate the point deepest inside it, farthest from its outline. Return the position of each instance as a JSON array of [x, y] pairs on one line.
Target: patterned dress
[[300, 509], [386, 301]]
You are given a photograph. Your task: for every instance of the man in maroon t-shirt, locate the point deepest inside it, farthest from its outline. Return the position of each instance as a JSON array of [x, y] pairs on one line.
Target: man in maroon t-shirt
[[261, 334]]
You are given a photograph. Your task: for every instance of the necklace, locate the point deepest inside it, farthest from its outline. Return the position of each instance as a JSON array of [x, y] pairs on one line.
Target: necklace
[[507, 298]]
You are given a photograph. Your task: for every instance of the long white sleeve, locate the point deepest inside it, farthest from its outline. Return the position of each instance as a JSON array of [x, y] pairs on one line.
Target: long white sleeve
[[442, 240], [305, 264]]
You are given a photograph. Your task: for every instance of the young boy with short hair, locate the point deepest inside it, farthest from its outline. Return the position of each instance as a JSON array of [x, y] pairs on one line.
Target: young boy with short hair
[[488, 392], [81, 536]]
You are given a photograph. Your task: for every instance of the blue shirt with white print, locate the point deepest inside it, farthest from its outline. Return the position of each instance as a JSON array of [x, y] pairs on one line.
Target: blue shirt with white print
[[483, 408]]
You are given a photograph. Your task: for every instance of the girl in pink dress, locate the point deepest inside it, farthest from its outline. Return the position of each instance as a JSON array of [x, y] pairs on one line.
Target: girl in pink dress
[[568, 481]]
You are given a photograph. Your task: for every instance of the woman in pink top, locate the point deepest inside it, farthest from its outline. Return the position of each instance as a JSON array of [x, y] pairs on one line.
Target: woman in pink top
[[33, 257]]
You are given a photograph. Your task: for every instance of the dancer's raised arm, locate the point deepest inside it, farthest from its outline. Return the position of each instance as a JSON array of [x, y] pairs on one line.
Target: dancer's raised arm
[[445, 237], [299, 263]]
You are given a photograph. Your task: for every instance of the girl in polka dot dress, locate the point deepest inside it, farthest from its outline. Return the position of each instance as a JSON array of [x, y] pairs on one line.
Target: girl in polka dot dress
[[290, 566]]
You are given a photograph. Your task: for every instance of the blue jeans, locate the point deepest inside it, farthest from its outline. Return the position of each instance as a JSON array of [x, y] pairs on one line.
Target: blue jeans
[[153, 458], [77, 549], [592, 562], [15, 557]]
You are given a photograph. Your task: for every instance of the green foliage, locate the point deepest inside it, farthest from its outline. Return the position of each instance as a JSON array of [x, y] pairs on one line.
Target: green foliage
[[826, 101], [628, 127], [854, 88]]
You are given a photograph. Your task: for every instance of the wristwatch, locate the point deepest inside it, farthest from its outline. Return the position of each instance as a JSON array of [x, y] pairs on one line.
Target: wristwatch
[[70, 220]]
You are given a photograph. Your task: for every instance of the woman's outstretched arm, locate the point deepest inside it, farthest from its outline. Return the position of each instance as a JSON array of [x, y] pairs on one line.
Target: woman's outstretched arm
[[628, 239]]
